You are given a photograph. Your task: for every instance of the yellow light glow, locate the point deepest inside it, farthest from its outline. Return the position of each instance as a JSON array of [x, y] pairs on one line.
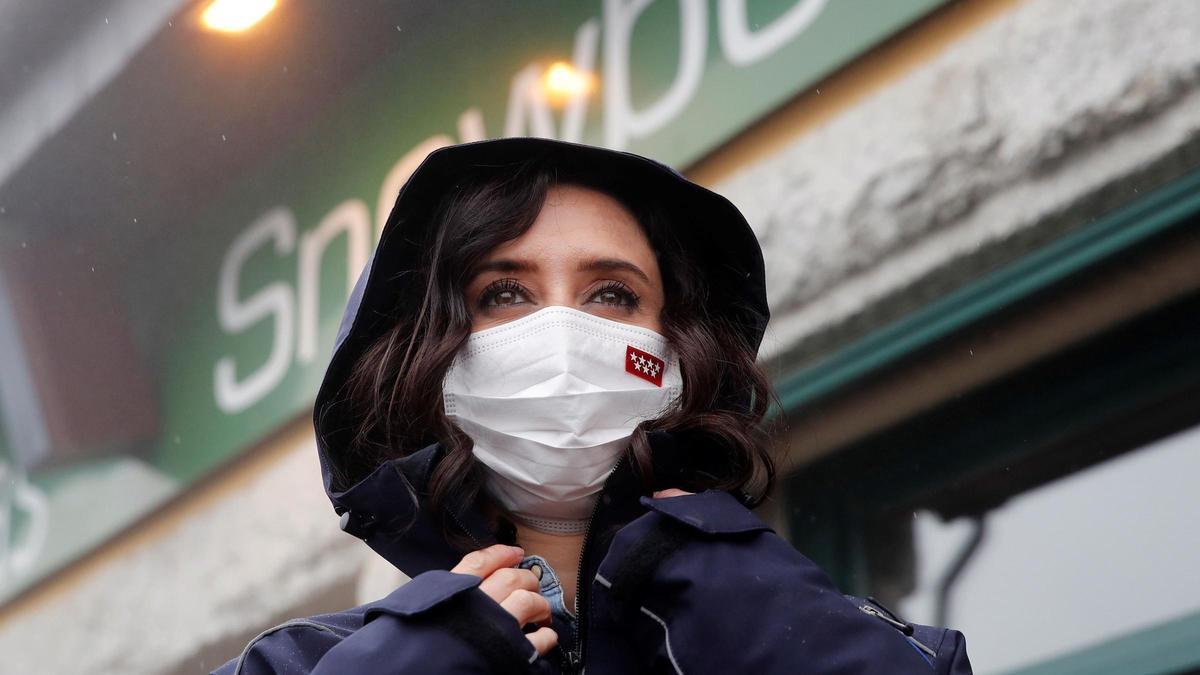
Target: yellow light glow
[[233, 16], [563, 81]]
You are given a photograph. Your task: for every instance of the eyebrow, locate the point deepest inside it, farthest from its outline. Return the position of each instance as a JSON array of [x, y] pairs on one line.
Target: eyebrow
[[592, 265], [503, 265], [612, 264]]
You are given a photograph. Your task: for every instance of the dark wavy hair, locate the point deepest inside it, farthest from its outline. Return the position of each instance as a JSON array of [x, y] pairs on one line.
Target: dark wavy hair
[[394, 391]]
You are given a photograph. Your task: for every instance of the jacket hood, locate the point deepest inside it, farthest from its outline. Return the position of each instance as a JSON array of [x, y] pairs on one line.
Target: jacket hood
[[709, 225]]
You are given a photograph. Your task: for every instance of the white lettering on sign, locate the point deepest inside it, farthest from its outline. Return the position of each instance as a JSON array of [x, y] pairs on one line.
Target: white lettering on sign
[[527, 101], [470, 128], [527, 112], [274, 300], [399, 173], [20, 497], [351, 218], [583, 58], [621, 122], [743, 47]]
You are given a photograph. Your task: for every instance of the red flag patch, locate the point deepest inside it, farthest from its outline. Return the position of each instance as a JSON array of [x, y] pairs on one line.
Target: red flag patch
[[646, 366]]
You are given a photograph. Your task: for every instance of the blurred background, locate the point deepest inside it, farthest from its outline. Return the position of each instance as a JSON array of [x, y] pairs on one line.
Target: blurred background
[[980, 226]]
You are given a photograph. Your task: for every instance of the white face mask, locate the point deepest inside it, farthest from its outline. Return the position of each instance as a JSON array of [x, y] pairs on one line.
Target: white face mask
[[551, 400]]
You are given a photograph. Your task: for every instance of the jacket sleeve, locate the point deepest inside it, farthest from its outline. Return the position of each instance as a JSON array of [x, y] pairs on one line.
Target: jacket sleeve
[[438, 622], [700, 584]]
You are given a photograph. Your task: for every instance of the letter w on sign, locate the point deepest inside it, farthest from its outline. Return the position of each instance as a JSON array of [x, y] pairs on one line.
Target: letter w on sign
[[646, 366]]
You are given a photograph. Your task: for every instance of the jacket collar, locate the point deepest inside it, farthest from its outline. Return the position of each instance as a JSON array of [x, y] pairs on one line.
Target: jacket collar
[[389, 508]]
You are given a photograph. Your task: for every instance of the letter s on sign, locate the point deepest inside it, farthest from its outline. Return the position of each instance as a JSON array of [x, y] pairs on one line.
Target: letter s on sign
[[236, 315]]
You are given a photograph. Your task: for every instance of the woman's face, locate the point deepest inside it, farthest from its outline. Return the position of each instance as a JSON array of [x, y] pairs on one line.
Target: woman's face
[[584, 251]]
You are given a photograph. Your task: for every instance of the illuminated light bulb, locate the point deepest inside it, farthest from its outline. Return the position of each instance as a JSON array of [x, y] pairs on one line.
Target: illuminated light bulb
[[232, 16], [563, 81]]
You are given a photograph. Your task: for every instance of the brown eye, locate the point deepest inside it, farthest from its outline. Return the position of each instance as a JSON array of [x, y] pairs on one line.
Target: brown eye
[[505, 298], [501, 294], [610, 297], [616, 294]]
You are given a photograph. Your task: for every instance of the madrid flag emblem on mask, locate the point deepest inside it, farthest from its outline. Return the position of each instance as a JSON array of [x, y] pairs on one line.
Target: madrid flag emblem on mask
[[644, 365]]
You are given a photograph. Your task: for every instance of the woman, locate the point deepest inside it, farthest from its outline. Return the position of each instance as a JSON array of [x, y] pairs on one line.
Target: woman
[[544, 407]]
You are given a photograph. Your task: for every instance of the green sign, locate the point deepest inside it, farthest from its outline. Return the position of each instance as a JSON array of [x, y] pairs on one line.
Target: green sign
[[674, 80], [268, 267]]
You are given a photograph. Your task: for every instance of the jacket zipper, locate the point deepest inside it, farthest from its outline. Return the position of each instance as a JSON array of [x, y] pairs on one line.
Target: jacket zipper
[[904, 628], [575, 656], [462, 527]]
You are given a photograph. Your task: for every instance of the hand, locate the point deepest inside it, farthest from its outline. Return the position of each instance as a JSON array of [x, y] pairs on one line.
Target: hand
[[516, 590], [670, 492]]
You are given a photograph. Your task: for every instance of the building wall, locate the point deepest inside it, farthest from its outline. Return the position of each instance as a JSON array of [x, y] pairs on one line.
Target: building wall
[[184, 594], [1041, 117]]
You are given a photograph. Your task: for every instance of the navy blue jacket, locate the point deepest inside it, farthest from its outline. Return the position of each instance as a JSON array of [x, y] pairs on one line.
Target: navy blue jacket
[[729, 596], [691, 584]]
